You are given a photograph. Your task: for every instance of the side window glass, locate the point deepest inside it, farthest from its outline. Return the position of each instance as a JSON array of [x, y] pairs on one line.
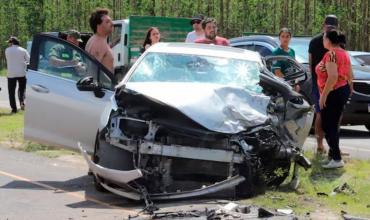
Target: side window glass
[[105, 81], [115, 37], [285, 64], [365, 59], [62, 60], [263, 51]]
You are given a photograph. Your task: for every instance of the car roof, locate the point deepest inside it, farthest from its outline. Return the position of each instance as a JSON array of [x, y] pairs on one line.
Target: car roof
[[357, 53], [206, 50], [262, 38], [273, 40]]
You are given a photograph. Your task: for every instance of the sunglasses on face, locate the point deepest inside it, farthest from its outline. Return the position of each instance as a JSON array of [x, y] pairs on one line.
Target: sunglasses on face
[[196, 22]]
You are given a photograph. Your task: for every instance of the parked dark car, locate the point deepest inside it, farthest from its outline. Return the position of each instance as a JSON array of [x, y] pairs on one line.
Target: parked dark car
[[357, 111]]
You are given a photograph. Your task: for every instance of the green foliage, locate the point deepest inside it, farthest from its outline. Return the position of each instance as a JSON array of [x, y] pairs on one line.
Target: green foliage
[[3, 72], [24, 18]]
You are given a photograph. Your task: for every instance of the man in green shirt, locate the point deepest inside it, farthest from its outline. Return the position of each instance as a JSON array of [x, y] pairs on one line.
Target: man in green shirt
[[63, 56]]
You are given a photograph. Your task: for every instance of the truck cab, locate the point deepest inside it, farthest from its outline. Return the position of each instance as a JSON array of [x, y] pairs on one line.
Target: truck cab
[[118, 41], [129, 34]]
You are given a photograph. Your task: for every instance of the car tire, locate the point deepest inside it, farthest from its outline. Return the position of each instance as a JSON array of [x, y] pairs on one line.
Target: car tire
[[277, 172], [109, 156], [253, 184], [367, 127], [95, 159]]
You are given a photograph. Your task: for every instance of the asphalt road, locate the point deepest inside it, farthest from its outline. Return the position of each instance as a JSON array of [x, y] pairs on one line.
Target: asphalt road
[[35, 187]]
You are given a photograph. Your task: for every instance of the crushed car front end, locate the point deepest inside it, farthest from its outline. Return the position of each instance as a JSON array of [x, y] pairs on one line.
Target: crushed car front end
[[198, 122]]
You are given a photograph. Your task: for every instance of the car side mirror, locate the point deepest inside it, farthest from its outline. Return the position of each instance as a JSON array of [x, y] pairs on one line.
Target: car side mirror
[[88, 84]]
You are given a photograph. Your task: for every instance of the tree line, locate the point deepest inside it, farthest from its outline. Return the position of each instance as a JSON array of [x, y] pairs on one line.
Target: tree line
[[24, 18]]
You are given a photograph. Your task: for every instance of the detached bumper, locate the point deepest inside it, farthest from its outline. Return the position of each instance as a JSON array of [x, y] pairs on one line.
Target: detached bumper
[[124, 177], [117, 176]]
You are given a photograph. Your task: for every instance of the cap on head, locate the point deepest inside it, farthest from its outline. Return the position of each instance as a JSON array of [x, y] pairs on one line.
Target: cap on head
[[74, 34], [196, 18], [331, 20], [13, 40]]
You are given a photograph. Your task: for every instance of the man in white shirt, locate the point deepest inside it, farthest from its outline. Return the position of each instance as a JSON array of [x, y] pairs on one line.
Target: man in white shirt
[[17, 59], [198, 32]]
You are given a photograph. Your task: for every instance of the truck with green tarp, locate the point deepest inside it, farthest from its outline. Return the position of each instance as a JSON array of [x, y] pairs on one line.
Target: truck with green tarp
[[129, 34]]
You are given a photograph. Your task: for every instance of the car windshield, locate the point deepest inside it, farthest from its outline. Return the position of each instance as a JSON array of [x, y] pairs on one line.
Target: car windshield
[[192, 68], [300, 46]]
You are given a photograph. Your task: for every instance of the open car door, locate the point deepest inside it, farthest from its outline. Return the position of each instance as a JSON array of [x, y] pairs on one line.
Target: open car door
[[57, 111], [294, 73]]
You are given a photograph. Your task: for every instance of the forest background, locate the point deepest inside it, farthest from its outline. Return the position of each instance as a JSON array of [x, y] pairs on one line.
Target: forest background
[[24, 18]]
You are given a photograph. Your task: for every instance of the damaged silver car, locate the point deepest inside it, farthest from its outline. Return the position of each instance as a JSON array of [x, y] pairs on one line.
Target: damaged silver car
[[186, 120]]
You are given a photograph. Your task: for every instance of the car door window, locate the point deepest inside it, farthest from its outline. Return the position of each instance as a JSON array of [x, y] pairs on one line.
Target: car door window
[[105, 81], [287, 65], [58, 58], [262, 50]]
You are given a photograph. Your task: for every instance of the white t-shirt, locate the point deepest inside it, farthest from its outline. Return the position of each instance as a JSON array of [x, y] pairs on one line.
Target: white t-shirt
[[17, 59], [192, 36]]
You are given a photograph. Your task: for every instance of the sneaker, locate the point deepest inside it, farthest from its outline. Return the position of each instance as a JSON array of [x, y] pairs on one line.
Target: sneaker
[[22, 107], [14, 111], [333, 164]]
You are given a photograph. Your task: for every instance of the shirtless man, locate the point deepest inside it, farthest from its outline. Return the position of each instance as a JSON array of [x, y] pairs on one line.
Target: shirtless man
[[210, 34], [97, 46]]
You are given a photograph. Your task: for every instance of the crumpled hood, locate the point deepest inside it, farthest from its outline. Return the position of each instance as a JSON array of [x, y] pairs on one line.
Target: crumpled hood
[[218, 108]]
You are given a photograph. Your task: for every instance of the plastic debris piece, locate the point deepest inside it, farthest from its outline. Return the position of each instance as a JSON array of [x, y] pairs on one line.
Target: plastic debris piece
[[322, 194], [349, 217], [344, 188], [230, 206], [285, 211]]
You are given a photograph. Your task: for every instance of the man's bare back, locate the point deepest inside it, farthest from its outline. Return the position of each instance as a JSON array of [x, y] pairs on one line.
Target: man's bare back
[[98, 47]]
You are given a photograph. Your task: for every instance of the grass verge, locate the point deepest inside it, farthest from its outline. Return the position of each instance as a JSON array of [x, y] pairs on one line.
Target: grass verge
[[11, 135]]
